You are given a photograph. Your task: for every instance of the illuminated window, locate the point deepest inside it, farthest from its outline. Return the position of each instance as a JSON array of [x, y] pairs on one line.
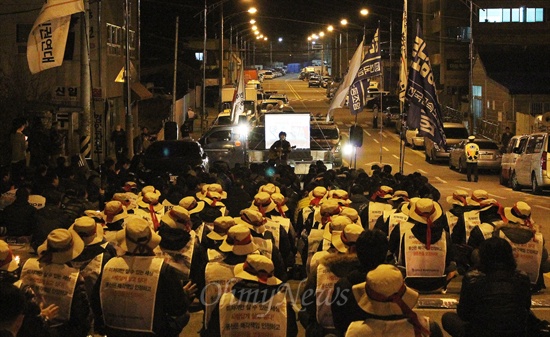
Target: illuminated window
[[199, 56], [522, 14]]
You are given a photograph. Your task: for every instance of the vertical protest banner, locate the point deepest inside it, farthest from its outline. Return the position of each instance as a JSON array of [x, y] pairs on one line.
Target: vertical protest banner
[[424, 110], [48, 37], [370, 67]]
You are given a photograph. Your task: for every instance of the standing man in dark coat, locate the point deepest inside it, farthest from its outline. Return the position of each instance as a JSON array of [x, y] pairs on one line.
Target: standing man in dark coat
[[118, 137]]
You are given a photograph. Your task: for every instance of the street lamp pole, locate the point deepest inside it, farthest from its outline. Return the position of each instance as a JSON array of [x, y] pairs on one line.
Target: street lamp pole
[[271, 53], [220, 79]]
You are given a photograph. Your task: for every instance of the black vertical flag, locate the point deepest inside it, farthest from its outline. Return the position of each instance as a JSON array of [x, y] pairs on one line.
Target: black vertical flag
[[370, 67], [424, 110]]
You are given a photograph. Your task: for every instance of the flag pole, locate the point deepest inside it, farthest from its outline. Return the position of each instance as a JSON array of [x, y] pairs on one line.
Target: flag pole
[[403, 87], [85, 144], [380, 105]]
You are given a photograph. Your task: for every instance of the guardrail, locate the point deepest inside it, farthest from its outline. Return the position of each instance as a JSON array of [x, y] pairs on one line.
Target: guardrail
[[488, 129]]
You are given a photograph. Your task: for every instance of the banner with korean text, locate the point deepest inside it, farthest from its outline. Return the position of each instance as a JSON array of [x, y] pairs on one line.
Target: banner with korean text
[[424, 110], [370, 67], [48, 37]]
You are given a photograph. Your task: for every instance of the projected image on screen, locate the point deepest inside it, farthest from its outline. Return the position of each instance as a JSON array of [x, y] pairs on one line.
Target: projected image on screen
[[295, 125]]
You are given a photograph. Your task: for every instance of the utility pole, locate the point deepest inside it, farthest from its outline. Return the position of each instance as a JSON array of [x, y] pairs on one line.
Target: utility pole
[[221, 51], [127, 85], [173, 117], [85, 144], [203, 114]]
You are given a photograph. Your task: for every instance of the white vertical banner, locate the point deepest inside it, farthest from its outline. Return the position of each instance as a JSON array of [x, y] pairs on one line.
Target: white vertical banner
[[343, 88], [48, 37], [238, 99], [403, 76]]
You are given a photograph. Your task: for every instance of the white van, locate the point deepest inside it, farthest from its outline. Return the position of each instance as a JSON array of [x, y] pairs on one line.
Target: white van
[[531, 165], [268, 75], [511, 154]]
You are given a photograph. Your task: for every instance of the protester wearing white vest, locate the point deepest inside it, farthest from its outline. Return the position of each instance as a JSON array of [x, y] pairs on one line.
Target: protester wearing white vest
[[264, 204], [389, 302], [372, 248], [96, 253], [180, 247], [521, 231], [139, 294], [55, 282], [264, 239], [219, 276], [256, 305], [379, 202], [423, 247], [216, 237], [318, 291]]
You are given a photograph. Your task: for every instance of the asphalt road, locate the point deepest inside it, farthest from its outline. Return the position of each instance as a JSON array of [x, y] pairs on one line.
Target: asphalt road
[[384, 146]]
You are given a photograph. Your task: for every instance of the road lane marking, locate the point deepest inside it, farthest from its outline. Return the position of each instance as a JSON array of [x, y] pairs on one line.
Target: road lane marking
[[416, 152], [421, 171], [298, 97], [407, 163], [441, 180], [541, 207], [365, 131], [385, 148], [384, 135], [396, 157], [497, 196], [464, 188], [375, 141]]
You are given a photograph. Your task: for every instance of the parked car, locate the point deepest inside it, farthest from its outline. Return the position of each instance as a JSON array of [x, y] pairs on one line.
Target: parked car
[[326, 136], [276, 104], [325, 80], [413, 139], [531, 165], [454, 132], [314, 81], [281, 97], [489, 158], [373, 102], [512, 151], [224, 118], [332, 87], [173, 157], [392, 115], [268, 75], [224, 143]]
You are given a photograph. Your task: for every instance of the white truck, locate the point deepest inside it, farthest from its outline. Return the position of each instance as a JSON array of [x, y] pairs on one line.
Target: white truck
[[251, 97]]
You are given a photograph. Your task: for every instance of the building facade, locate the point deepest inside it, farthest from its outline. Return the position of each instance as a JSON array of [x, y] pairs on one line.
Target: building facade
[[60, 88]]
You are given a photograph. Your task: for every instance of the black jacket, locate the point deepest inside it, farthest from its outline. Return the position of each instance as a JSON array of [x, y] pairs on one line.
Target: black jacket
[[19, 218], [495, 304]]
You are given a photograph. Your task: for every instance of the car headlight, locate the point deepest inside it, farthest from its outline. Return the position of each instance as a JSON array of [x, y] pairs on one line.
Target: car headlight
[[347, 149]]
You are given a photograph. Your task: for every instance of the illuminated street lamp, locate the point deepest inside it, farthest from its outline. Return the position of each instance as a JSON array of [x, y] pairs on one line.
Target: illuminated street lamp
[[364, 12], [344, 22]]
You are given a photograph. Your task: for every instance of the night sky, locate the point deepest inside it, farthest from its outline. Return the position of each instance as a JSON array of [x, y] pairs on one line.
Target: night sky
[[293, 20]]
